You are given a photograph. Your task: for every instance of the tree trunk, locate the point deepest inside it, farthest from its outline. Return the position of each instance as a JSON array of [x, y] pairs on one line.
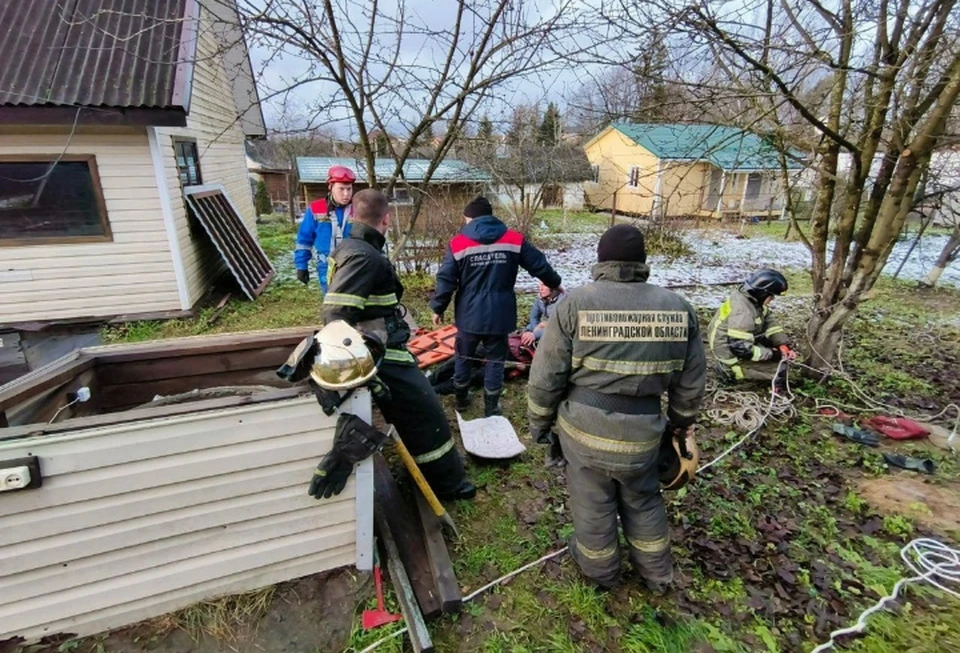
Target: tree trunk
[[947, 255]]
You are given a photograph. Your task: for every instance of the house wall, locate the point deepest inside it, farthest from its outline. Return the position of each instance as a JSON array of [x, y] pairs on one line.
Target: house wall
[[616, 155], [683, 188], [212, 122], [132, 274], [571, 198], [143, 518]]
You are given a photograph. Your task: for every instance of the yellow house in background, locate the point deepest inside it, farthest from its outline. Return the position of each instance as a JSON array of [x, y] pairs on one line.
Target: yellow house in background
[[684, 170]]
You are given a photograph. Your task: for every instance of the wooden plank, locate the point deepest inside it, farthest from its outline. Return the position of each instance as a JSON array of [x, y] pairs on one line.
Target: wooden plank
[[58, 375], [412, 615], [403, 523], [261, 358], [142, 414], [178, 347], [445, 578], [136, 394]]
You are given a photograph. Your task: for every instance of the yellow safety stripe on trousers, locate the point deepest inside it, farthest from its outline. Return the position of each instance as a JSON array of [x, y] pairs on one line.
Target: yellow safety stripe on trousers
[[772, 331], [608, 445], [757, 354], [740, 335], [436, 454], [382, 300], [538, 410], [343, 299], [399, 356], [597, 554], [737, 372], [630, 368], [650, 546]]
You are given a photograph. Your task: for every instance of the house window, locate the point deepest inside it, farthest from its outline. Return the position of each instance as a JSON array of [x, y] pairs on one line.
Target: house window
[[401, 196], [44, 200], [752, 190], [634, 181], [595, 172], [188, 163]]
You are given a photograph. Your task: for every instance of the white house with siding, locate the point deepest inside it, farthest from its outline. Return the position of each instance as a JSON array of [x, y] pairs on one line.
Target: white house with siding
[[106, 115]]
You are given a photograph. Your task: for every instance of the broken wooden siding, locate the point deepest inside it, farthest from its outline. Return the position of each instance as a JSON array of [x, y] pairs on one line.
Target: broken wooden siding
[[135, 520]]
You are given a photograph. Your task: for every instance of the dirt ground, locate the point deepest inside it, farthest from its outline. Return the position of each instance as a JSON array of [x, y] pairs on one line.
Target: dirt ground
[[933, 505]]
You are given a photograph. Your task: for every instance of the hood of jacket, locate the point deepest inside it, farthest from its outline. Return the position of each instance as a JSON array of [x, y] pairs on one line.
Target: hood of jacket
[[486, 229], [622, 271]]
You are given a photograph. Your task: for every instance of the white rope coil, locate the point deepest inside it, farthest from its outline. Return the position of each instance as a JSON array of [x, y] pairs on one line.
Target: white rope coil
[[931, 561]]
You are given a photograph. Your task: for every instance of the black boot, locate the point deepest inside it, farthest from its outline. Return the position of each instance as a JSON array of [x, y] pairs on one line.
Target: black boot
[[464, 492], [491, 404], [463, 398]]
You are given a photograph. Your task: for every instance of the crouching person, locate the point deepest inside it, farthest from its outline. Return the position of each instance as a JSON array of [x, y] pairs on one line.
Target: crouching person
[[745, 340], [610, 351]]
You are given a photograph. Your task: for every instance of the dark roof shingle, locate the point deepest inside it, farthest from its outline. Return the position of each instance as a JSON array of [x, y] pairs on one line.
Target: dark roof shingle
[[113, 53]]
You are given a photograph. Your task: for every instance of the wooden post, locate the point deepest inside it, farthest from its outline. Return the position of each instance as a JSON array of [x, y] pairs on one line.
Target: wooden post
[[416, 626], [440, 563], [613, 210]]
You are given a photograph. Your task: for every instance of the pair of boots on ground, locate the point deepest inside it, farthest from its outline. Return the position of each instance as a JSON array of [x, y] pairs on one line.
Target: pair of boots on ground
[[491, 401]]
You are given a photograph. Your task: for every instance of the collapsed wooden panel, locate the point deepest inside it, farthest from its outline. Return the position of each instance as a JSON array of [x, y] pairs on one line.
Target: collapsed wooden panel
[[239, 249], [134, 520]]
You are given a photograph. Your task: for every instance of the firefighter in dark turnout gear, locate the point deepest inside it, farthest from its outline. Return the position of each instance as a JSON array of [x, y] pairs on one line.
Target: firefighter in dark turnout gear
[[610, 351], [481, 266], [745, 339], [365, 291]]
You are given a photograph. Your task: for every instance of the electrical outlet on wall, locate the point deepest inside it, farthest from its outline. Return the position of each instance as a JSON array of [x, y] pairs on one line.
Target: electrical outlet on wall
[[20, 474]]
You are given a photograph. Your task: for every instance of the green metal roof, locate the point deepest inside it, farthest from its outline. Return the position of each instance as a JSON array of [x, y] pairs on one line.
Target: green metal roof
[[728, 148], [313, 170]]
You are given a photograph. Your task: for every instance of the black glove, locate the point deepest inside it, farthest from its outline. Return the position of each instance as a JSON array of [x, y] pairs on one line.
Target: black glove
[[297, 366], [303, 276], [354, 441], [329, 400], [542, 435]]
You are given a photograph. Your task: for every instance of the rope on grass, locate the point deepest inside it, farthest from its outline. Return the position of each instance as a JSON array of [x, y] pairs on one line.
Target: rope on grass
[[931, 561]]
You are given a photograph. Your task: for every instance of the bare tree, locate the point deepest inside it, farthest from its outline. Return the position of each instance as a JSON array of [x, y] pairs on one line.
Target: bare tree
[[386, 68], [875, 80], [529, 162]]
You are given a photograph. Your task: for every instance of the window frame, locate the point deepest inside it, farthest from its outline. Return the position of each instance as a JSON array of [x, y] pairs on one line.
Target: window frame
[[595, 171], [100, 201], [633, 177], [178, 140]]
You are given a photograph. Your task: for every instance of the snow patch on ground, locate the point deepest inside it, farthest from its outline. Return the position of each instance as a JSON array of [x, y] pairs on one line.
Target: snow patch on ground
[[719, 257]]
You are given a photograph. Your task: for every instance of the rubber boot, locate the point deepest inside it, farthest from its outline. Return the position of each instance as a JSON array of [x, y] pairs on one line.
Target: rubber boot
[[463, 398], [491, 404], [464, 492]]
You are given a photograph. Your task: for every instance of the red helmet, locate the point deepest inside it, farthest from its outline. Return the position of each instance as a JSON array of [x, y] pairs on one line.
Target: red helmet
[[341, 174]]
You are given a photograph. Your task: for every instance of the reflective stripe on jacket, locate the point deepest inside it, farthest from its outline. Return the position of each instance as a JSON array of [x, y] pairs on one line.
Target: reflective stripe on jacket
[[744, 330], [480, 267], [364, 287], [621, 336]]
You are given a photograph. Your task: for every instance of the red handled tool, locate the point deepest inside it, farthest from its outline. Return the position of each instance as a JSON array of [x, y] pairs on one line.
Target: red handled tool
[[375, 618]]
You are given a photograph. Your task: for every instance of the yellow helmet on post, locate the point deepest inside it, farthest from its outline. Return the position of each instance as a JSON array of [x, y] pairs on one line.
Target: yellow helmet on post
[[344, 359]]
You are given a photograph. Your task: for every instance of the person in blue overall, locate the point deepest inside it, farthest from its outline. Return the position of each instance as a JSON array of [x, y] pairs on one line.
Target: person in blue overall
[[325, 223]]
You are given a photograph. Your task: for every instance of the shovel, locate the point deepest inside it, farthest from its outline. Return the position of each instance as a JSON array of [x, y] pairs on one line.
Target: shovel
[[445, 519], [375, 618]]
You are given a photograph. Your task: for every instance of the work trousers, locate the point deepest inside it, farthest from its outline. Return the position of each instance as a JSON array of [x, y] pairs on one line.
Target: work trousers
[[415, 410], [495, 353], [597, 499]]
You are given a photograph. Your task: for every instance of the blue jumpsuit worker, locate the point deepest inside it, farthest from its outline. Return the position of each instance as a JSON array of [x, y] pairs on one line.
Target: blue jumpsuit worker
[[481, 266], [325, 223]]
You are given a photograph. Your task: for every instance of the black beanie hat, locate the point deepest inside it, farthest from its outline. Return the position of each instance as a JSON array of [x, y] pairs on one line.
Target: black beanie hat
[[479, 207], [622, 242]]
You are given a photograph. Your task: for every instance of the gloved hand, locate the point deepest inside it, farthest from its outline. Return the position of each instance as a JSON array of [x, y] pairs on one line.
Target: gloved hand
[[354, 441], [787, 353], [303, 276], [542, 435]]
